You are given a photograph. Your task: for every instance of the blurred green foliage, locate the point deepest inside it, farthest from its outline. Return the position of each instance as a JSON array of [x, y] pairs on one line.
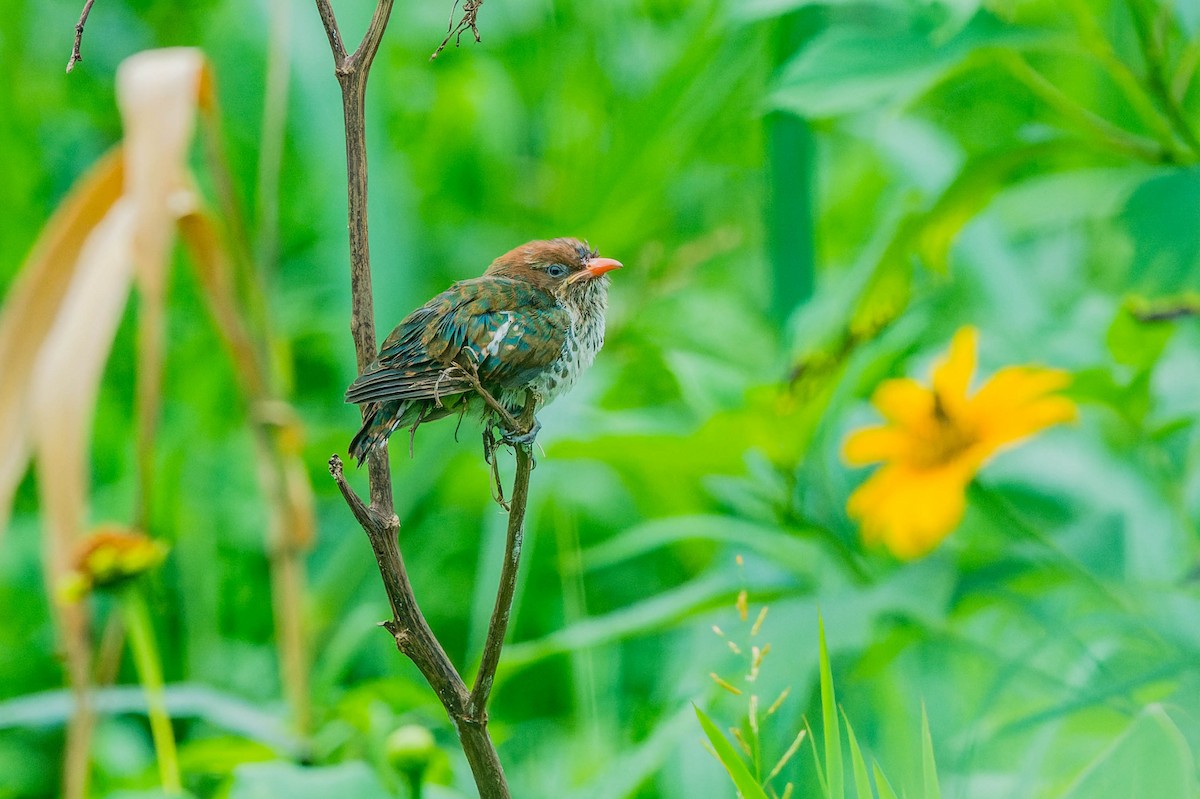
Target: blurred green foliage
[[1027, 166]]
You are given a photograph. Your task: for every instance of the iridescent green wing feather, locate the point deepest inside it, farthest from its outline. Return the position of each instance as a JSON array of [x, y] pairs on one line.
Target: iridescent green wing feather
[[510, 331]]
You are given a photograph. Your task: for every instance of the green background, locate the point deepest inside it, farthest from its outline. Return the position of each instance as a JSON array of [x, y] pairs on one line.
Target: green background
[[1025, 166]]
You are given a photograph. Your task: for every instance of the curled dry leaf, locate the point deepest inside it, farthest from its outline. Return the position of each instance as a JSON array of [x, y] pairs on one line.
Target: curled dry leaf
[[58, 324]]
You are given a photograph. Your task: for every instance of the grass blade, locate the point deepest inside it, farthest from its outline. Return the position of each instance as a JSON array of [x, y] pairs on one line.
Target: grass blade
[[885, 789], [929, 776], [862, 780], [835, 788], [733, 763], [817, 760]]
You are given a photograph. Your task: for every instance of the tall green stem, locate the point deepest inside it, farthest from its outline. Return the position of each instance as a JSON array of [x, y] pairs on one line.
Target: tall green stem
[[149, 670]]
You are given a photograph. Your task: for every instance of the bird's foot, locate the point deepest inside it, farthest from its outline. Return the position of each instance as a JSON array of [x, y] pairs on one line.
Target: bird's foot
[[522, 439]]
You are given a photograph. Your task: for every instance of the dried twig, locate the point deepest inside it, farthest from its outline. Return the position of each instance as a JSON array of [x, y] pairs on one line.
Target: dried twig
[[468, 21], [75, 56]]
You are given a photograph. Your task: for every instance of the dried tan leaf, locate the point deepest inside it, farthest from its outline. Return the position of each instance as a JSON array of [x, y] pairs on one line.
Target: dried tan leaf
[[159, 92], [32, 306], [57, 328]]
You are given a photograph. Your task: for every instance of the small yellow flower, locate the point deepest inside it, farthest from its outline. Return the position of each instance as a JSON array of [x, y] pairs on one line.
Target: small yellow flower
[[109, 556], [935, 439]]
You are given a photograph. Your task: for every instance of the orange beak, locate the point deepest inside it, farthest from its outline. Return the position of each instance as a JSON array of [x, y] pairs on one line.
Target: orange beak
[[598, 266]]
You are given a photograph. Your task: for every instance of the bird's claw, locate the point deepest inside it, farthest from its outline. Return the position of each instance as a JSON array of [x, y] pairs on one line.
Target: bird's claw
[[523, 439]]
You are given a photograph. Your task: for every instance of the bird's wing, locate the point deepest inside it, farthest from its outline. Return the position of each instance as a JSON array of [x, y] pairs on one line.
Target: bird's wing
[[510, 331]]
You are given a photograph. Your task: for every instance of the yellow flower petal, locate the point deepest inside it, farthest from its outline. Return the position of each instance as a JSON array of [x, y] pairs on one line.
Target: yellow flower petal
[[952, 376], [1017, 403], [935, 440], [910, 511], [903, 401], [874, 444]]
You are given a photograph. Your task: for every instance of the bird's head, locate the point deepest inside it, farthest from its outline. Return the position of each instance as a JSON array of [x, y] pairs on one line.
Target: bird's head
[[564, 267]]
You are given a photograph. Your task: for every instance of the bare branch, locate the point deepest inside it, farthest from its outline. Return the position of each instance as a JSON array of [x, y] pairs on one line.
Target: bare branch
[[498, 626], [468, 21], [75, 56], [331, 30]]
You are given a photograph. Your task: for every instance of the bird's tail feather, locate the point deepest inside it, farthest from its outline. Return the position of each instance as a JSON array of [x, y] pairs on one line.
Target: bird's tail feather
[[380, 423]]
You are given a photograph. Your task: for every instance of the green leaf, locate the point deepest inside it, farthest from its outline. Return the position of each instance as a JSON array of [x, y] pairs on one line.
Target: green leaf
[[886, 791], [862, 780], [883, 61], [287, 781], [1162, 227], [833, 737], [784, 547], [656, 613], [929, 778], [221, 709], [733, 763], [1151, 758], [1136, 343]]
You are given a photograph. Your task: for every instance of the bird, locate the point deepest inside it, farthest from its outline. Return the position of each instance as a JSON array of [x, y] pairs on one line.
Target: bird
[[533, 321]]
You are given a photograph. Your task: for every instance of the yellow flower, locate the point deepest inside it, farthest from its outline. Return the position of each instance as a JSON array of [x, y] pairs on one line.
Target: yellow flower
[[935, 439], [109, 556]]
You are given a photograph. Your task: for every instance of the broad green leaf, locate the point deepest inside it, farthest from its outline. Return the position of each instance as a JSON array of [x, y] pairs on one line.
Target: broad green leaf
[[1151, 759], [883, 62], [764, 9], [974, 187], [218, 708], [287, 781], [1051, 201], [833, 738], [733, 763], [862, 779], [929, 778], [1161, 224]]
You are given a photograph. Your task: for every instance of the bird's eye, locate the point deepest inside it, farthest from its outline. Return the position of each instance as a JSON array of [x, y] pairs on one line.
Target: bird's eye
[[556, 270]]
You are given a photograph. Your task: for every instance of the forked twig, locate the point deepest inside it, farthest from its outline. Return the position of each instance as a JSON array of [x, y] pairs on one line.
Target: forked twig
[[466, 708]]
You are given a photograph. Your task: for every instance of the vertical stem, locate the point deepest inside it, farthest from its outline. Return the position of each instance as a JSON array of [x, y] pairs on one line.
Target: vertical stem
[[274, 126], [362, 305], [149, 669], [791, 167], [498, 626], [77, 757]]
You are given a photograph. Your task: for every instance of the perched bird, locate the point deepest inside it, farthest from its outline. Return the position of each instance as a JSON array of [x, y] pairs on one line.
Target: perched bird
[[534, 320]]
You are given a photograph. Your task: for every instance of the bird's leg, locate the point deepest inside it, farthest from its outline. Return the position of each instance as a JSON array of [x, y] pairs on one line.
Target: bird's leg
[[412, 431], [461, 413], [507, 420], [489, 455]]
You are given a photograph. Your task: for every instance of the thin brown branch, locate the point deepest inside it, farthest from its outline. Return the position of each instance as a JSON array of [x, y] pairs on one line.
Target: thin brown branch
[[75, 55], [408, 627], [468, 22], [498, 626], [331, 30]]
